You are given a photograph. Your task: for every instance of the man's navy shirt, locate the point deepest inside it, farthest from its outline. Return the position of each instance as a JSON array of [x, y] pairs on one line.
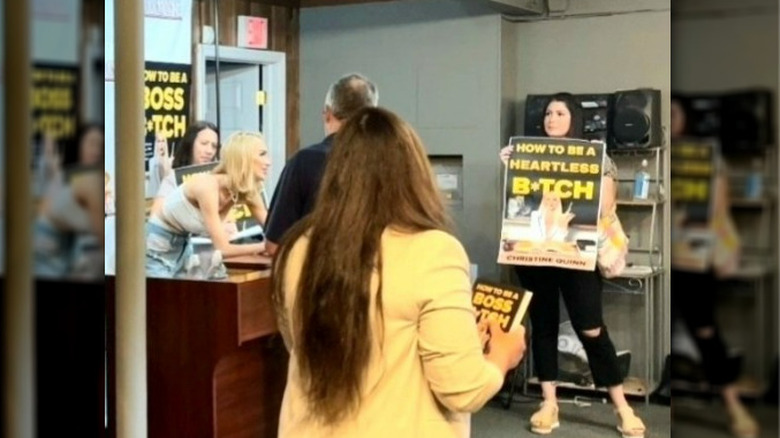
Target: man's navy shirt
[[297, 189]]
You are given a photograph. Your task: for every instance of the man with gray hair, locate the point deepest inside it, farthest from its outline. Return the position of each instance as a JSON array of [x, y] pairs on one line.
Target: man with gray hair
[[300, 180]]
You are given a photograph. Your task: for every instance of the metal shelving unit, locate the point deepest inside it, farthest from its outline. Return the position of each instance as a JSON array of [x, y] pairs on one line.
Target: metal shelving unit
[[758, 270]]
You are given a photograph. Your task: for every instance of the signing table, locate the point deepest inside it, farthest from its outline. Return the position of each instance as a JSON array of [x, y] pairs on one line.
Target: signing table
[[217, 366]]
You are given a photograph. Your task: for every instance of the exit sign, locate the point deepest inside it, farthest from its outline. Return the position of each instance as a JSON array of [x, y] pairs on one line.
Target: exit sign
[[252, 32]]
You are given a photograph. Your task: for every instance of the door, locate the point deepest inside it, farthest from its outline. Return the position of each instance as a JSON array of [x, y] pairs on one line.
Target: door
[[238, 89], [240, 107], [239, 85]]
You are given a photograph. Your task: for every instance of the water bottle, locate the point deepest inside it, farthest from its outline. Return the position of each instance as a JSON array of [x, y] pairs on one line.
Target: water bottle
[[642, 182], [754, 181]]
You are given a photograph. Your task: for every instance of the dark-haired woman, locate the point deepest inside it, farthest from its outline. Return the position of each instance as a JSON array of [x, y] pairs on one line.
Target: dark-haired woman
[[200, 145], [581, 291]]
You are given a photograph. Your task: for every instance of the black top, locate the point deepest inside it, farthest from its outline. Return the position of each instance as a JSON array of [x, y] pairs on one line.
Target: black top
[[297, 189]]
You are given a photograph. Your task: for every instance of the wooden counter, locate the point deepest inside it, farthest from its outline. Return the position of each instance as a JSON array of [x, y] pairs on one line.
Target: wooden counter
[[254, 263], [70, 347], [216, 364]]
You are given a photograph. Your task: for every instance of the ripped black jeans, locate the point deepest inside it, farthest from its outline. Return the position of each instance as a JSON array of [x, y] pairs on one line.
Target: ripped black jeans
[[693, 302], [581, 291]]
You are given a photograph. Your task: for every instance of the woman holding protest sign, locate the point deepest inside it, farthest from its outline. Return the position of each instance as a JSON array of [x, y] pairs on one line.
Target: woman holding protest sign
[[373, 300], [696, 307], [200, 205], [200, 145], [581, 291]]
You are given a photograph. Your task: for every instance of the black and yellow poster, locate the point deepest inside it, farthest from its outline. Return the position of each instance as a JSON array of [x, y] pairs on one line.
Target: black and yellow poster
[[693, 181], [55, 105], [504, 303], [693, 173], [167, 90], [182, 174], [240, 213], [552, 198]]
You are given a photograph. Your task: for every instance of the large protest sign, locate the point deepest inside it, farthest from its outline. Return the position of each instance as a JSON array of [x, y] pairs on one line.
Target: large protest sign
[[166, 103], [55, 99], [552, 197], [240, 213], [693, 182], [693, 173], [55, 104]]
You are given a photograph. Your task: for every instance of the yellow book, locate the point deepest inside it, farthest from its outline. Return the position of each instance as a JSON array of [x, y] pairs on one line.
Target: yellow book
[[507, 304]]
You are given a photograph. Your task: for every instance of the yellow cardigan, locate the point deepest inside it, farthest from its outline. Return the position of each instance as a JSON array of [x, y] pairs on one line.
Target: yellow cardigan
[[429, 374]]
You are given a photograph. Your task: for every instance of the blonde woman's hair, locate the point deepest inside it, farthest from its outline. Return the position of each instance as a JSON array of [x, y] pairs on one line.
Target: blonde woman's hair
[[237, 164]]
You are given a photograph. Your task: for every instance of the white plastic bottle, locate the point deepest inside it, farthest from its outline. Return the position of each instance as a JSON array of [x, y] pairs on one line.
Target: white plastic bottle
[[642, 182]]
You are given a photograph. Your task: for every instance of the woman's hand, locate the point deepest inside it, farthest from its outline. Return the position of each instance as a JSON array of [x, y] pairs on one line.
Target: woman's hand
[[482, 329], [230, 228], [505, 153], [506, 349], [205, 190]]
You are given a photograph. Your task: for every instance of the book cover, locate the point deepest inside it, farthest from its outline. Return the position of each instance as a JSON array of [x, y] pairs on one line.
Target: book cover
[[693, 179], [507, 304], [552, 198]]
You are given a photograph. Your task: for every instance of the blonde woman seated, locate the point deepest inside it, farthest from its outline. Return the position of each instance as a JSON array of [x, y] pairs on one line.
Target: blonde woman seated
[[200, 205], [549, 223], [373, 298]]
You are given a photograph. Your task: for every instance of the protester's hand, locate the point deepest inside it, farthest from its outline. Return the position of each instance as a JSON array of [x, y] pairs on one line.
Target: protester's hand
[[505, 153], [726, 265], [506, 349], [482, 329]]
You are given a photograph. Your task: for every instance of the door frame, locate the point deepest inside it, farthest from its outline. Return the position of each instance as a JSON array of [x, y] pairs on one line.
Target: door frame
[[274, 82]]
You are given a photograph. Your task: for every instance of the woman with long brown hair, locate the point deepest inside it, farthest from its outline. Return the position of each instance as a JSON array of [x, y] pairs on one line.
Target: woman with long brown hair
[[374, 302]]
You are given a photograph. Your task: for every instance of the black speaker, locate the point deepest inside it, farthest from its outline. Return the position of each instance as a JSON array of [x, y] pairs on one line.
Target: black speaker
[[702, 114], [746, 121], [535, 107], [595, 115], [635, 121]]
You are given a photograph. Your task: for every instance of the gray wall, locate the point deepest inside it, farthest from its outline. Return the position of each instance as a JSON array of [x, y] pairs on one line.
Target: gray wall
[[593, 55], [436, 64], [460, 74], [713, 54]]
